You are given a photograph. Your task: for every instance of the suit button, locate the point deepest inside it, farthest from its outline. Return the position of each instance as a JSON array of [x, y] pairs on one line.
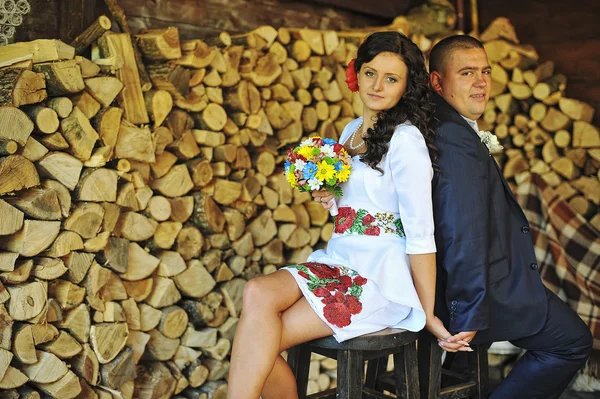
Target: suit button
[[534, 266], [525, 229]]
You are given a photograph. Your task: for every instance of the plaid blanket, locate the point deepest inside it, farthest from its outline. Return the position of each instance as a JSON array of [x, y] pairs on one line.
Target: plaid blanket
[[568, 253]]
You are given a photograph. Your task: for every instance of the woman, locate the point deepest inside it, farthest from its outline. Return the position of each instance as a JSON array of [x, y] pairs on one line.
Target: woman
[[362, 282]]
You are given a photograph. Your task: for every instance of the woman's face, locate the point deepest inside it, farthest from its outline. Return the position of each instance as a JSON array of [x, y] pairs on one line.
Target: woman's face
[[382, 81]]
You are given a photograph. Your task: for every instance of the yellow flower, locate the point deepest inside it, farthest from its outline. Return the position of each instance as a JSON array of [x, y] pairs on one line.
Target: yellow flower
[[344, 174], [291, 178], [306, 152], [325, 171]]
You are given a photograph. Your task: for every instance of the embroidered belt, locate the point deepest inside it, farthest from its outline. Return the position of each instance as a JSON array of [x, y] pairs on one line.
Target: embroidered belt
[[350, 221]]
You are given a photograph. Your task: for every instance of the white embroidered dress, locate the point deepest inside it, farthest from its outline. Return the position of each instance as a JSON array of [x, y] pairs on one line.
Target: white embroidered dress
[[361, 283]]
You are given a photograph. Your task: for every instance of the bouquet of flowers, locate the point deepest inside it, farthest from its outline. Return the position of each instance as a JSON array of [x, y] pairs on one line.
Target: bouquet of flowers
[[318, 163]]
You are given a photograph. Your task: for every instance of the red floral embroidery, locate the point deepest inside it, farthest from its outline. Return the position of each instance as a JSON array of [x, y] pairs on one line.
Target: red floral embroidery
[[323, 271], [344, 219], [360, 281], [367, 220], [351, 76], [340, 293], [337, 314], [304, 275], [339, 308], [353, 304], [372, 231], [344, 283], [322, 292], [361, 222]]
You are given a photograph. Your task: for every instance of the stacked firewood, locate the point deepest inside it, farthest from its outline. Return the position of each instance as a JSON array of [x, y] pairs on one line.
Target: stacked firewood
[[131, 219], [140, 187], [542, 130]]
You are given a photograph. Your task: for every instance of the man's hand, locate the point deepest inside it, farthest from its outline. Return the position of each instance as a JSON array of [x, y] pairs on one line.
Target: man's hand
[[323, 197], [458, 342]]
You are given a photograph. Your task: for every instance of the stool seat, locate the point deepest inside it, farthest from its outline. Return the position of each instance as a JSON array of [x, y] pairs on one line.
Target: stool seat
[[351, 355], [380, 340]]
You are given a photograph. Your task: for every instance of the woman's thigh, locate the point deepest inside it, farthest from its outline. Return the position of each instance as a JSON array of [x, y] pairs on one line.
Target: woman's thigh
[[301, 324]]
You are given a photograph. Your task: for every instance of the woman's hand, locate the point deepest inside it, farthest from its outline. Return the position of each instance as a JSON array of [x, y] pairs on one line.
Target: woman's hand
[[323, 197], [435, 326]]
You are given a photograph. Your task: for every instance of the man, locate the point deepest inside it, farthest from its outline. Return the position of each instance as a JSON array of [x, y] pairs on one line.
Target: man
[[489, 288]]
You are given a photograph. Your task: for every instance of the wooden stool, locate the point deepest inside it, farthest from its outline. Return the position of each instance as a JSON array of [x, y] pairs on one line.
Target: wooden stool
[[351, 356], [437, 382]]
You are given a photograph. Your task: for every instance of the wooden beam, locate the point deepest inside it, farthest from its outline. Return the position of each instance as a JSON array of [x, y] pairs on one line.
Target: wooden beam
[[388, 9]]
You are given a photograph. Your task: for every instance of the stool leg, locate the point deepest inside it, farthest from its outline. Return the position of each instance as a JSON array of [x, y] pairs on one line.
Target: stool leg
[[350, 368], [299, 361], [430, 367], [478, 362], [406, 372], [375, 368]]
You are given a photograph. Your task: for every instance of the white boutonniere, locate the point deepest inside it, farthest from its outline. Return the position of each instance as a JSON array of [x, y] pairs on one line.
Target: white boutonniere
[[491, 141]]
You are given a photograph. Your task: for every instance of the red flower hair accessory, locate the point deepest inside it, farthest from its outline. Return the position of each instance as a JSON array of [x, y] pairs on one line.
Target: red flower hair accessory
[[351, 77]]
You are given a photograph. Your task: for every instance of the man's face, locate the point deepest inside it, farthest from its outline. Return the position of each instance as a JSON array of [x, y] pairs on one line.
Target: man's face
[[465, 81]]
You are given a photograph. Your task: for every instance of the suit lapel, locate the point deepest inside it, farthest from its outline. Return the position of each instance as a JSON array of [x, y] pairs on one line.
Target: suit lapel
[[446, 113]]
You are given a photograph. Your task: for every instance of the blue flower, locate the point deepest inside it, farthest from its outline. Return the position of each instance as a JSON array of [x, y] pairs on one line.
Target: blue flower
[[337, 166], [287, 165], [309, 170], [329, 141]]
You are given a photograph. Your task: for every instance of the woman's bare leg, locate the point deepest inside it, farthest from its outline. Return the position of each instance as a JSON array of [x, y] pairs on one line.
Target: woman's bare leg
[[300, 324], [257, 342]]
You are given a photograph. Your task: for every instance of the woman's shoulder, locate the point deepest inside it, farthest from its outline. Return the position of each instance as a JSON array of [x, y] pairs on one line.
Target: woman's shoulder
[[408, 134]]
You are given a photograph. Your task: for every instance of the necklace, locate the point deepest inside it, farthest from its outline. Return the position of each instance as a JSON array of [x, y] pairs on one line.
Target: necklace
[[353, 147]]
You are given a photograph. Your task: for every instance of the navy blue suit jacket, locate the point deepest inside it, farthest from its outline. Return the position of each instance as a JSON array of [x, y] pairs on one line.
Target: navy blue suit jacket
[[487, 272]]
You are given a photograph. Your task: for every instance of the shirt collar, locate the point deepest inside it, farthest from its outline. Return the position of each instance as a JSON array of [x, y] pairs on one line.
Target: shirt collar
[[471, 123]]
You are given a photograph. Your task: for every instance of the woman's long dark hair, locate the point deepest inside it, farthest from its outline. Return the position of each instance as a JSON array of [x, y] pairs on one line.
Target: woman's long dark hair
[[415, 106]]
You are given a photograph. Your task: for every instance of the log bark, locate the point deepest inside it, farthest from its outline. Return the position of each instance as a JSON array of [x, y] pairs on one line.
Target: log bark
[[91, 34], [21, 86]]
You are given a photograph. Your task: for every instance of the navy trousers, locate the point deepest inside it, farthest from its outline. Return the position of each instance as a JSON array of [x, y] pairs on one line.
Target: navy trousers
[[553, 357]]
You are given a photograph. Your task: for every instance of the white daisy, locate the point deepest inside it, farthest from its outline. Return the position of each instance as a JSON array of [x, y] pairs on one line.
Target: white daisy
[[314, 184], [328, 151], [307, 142], [299, 164]]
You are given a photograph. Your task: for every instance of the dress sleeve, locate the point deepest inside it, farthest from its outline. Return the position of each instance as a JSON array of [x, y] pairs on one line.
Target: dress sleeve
[[412, 173]]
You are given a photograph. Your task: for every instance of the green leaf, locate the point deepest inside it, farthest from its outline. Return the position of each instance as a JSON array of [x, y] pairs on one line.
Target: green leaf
[[300, 267], [355, 290], [334, 189], [357, 226], [399, 226]]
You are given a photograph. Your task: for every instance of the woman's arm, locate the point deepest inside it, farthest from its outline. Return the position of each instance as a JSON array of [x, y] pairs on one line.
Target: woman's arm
[[412, 173], [423, 269]]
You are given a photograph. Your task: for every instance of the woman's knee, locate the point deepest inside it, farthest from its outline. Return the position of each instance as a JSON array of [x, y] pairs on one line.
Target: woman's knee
[[260, 294], [254, 293]]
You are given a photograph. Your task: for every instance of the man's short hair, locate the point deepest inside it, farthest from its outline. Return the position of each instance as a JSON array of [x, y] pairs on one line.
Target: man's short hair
[[443, 49]]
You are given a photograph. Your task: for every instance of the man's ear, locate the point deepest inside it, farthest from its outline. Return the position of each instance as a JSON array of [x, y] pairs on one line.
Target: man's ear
[[435, 79]]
